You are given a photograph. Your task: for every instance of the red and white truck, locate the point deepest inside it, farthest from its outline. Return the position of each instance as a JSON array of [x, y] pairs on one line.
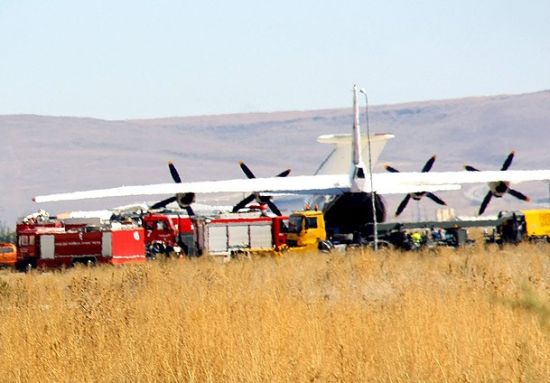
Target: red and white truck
[[221, 234], [54, 243], [240, 233]]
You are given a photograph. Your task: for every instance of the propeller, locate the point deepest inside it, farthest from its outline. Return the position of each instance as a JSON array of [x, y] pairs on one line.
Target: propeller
[[184, 200], [499, 188], [416, 196], [261, 199]]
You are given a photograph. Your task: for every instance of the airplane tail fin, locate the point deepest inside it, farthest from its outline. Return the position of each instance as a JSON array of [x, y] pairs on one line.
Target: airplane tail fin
[[357, 173], [356, 135]]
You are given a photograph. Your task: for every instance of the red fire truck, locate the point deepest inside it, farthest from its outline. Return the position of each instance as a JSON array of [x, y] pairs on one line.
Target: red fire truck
[[222, 234], [53, 243]]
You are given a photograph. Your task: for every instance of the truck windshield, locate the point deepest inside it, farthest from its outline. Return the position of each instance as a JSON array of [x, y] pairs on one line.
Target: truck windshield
[[295, 224]]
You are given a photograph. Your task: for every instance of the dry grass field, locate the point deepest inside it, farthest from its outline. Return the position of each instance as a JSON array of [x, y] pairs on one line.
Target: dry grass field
[[471, 316]]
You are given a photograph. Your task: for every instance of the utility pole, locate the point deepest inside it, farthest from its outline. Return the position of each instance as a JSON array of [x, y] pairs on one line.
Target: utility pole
[[372, 192]]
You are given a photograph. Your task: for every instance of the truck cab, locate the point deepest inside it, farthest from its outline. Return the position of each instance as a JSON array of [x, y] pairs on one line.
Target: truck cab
[[306, 229], [515, 226], [168, 233]]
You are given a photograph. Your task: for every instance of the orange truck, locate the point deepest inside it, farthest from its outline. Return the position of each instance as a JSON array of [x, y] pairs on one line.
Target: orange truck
[[8, 254]]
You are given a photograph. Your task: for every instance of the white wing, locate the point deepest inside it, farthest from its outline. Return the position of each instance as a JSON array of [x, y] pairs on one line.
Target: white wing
[[384, 183], [464, 177], [320, 184], [295, 185]]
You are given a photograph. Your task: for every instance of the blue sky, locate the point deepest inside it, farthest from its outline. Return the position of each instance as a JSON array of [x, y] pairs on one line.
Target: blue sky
[[137, 59]]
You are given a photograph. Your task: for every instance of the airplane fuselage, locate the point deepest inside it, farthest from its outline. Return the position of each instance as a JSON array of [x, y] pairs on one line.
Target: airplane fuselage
[[352, 212]]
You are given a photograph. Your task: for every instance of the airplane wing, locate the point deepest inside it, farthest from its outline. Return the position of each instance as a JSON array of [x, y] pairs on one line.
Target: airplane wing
[[319, 184], [332, 184], [384, 183], [465, 177]]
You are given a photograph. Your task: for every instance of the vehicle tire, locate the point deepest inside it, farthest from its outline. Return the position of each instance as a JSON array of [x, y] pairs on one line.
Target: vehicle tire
[[26, 266], [91, 262], [158, 248], [325, 246]]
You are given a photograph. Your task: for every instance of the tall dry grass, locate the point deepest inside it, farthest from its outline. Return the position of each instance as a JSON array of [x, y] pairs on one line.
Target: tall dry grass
[[470, 316]]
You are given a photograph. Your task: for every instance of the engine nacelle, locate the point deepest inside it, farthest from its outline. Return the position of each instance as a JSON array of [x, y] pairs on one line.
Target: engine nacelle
[[499, 188], [185, 199]]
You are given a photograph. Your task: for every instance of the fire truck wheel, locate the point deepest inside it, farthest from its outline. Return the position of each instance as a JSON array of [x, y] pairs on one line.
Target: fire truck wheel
[[26, 266], [89, 262], [158, 248]]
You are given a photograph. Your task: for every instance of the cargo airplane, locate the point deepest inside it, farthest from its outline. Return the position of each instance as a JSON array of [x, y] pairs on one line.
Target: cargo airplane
[[349, 206]]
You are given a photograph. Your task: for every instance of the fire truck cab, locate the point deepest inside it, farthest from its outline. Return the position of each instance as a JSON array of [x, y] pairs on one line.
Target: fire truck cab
[[169, 233]]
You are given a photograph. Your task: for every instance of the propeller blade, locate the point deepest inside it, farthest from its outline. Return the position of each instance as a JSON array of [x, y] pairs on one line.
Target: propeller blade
[[267, 200], [435, 198], [402, 205], [246, 170], [163, 203], [243, 203], [519, 195], [283, 174], [173, 171], [184, 200], [391, 169], [428, 165], [253, 196], [508, 161], [273, 208], [470, 168], [485, 203], [190, 211]]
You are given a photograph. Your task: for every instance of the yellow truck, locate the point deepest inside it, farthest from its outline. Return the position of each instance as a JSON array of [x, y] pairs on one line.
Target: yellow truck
[[516, 226], [537, 223], [306, 229]]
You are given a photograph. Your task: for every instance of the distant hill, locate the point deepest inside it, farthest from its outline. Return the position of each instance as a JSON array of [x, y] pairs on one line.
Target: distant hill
[[42, 154]]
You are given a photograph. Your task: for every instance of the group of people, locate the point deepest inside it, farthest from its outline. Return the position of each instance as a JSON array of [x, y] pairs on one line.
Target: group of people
[[419, 238]]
